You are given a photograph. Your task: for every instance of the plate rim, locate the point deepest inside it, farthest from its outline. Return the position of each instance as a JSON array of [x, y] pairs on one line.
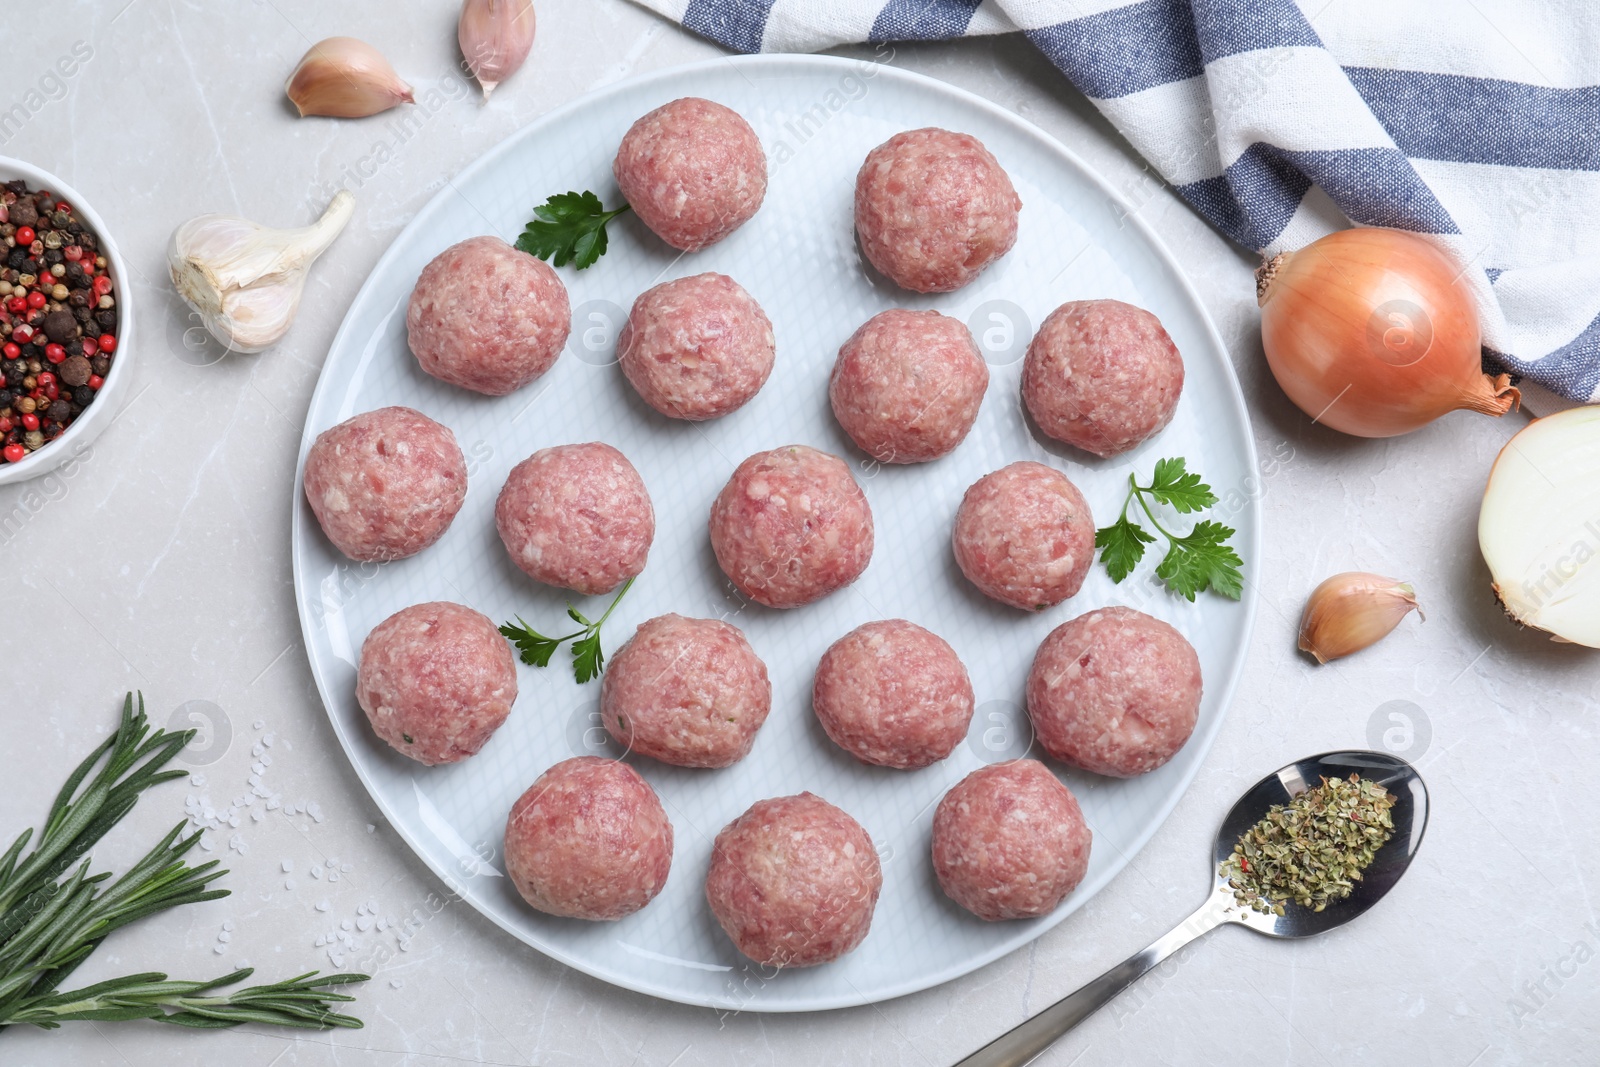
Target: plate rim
[[805, 63]]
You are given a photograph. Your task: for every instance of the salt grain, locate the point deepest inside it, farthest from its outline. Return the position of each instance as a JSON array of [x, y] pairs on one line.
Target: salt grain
[[322, 905], [287, 865]]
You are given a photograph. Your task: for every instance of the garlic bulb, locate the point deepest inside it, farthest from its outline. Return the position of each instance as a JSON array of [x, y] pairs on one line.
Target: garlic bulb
[[1350, 611], [495, 37], [245, 279], [1539, 526], [347, 79]]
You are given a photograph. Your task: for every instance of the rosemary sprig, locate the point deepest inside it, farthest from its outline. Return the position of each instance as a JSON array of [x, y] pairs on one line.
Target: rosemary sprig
[[300, 1002], [50, 921]]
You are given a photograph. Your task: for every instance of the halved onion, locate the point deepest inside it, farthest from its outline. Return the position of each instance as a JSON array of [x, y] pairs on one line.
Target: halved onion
[[1539, 528]]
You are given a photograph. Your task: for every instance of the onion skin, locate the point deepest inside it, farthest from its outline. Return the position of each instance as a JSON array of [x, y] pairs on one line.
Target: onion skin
[[1372, 332]]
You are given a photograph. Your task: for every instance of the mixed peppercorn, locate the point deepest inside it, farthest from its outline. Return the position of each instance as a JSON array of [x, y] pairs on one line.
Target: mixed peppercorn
[[58, 319]]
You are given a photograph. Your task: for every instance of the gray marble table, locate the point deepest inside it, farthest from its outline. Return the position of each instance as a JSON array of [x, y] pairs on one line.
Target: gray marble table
[[162, 563]]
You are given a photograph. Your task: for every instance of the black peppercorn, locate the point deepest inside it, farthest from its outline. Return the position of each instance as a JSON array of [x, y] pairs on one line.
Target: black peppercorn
[[101, 365], [107, 318], [24, 213], [83, 396], [60, 327], [60, 410], [17, 257], [6, 397]]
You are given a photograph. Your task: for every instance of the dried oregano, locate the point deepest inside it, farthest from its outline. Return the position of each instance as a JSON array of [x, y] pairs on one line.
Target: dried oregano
[[1313, 849]]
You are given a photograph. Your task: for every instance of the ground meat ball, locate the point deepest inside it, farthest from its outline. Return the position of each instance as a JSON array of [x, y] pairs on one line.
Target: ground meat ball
[[1024, 536], [385, 484], [791, 526], [933, 208], [907, 385], [589, 840], [435, 681], [693, 171], [1101, 375], [1009, 841], [487, 317], [576, 516], [1115, 692], [794, 881], [690, 692], [893, 694], [696, 348]]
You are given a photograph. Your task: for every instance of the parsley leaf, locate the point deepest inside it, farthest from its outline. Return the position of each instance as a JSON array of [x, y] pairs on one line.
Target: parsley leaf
[[1200, 560], [1121, 546], [588, 658], [1203, 560], [535, 648], [1185, 492], [568, 228]]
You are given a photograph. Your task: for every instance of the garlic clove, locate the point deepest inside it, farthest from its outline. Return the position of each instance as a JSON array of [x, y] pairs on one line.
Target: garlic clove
[[1539, 526], [495, 37], [244, 279], [345, 78], [1350, 611]]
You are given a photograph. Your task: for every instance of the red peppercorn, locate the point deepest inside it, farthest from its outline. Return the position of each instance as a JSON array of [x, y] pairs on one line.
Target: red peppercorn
[[25, 235], [55, 353], [12, 351], [45, 378], [22, 333], [17, 304], [52, 391], [95, 381], [15, 453], [107, 343], [89, 346], [36, 299], [5, 426], [102, 285], [62, 205], [30, 421], [72, 252]]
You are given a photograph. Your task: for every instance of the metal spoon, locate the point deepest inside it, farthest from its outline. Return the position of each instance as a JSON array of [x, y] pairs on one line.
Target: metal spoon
[[1410, 815]]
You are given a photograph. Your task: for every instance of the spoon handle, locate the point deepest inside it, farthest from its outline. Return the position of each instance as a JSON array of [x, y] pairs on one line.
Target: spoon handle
[[1028, 1040]]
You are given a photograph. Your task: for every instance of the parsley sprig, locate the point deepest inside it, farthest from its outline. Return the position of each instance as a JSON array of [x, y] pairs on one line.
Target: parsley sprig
[[571, 227], [1199, 560], [588, 659]]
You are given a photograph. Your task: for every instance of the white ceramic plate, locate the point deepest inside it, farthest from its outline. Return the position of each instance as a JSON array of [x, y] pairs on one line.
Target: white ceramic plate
[[818, 117]]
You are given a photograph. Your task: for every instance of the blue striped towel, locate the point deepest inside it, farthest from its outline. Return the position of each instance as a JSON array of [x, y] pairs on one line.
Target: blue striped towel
[[1476, 122]]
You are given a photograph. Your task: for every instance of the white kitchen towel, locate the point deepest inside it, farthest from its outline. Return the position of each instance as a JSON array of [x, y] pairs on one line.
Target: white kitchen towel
[[1476, 122]]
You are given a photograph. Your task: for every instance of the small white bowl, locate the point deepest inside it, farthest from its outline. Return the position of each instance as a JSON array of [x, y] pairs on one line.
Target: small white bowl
[[87, 426]]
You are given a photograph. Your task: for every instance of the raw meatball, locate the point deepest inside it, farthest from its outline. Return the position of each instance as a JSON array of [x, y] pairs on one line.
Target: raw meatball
[[691, 692], [907, 385], [385, 484], [696, 348], [576, 516], [794, 881], [435, 681], [693, 171], [589, 840], [933, 208], [1101, 375], [893, 694], [1115, 692], [1009, 841], [487, 317], [791, 526], [1024, 536]]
